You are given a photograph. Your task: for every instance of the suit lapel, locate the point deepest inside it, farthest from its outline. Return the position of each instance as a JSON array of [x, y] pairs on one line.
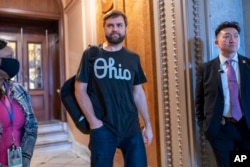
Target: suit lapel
[[217, 74]]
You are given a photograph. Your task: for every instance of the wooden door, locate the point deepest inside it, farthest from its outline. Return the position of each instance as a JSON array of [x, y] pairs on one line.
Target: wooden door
[[37, 26], [32, 52], [35, 73]]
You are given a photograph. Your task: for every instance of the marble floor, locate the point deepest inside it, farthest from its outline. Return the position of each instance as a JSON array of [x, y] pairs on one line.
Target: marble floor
[[65, 158]]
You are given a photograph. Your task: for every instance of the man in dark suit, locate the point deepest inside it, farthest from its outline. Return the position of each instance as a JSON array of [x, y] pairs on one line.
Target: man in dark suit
[[214, 102]]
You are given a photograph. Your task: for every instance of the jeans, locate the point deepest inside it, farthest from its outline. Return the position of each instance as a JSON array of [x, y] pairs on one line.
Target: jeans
[[103, 144]]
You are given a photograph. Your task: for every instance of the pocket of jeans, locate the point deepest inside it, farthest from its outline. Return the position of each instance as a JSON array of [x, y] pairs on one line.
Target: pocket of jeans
[[96, 129]]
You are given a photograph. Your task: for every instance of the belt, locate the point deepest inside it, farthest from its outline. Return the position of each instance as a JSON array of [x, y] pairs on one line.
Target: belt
[[228, 119]]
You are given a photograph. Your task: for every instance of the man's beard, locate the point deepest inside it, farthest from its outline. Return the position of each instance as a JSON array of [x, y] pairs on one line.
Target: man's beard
[[115, 41]]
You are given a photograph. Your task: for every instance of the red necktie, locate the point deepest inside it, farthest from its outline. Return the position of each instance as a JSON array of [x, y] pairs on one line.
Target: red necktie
[[234, 92]]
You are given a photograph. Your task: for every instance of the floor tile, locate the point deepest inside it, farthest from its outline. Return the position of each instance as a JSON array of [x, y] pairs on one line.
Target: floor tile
[[65, 158]]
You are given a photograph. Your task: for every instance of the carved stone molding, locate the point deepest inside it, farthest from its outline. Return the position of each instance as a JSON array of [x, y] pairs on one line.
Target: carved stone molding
[[197, 33], [182, 37], [177, 83], [165, 88], [198, 59], [166, 48]]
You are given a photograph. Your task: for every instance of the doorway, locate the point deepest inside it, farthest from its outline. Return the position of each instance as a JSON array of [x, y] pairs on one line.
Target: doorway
[[35, 45]]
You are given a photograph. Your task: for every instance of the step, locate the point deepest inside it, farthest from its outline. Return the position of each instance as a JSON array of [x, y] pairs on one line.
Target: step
[[52, 127], [58, 146], [53, 136]]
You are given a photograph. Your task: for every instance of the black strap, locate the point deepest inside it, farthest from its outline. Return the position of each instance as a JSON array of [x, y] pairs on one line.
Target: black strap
[[94, 50]]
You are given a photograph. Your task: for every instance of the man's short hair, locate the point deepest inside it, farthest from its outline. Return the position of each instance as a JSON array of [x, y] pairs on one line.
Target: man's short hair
[[227, 24], [114, 14]]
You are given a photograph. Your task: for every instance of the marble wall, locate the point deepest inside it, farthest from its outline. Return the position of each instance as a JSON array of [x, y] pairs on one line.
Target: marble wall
[[224, 10], [246, 13]]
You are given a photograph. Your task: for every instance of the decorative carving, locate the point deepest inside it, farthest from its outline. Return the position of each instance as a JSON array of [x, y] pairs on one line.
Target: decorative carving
[[107, 5], [165, 88], [177, 85], [165, 80], [198, 60]]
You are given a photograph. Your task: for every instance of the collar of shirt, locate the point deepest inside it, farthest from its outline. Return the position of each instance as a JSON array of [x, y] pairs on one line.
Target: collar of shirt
[[223, 59], [223, 64]]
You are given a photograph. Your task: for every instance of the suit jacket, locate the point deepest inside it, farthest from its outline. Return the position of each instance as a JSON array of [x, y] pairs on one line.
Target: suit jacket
[[209, 100]]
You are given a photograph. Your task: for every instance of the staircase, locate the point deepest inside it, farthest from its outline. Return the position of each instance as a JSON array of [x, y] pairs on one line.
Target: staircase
[[53, 136]]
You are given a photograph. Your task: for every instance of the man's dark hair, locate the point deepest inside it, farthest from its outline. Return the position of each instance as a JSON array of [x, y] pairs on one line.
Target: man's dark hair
[[227, 24], [114, 14]]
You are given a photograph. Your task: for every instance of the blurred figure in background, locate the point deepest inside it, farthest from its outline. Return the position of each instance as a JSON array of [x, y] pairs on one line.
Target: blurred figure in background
[[18, 125]]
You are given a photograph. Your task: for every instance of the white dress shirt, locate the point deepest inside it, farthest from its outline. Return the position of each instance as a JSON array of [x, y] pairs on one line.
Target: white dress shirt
[[224, 81]]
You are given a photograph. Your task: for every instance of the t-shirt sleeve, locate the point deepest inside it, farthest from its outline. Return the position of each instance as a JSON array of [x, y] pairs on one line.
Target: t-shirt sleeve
[[82, 74], [139, 76]]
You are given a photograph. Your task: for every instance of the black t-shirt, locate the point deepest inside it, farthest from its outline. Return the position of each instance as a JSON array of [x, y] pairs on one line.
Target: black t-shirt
[[110, 87]]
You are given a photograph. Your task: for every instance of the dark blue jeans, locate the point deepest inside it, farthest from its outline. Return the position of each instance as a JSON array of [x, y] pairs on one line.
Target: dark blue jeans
[[103, 144]]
